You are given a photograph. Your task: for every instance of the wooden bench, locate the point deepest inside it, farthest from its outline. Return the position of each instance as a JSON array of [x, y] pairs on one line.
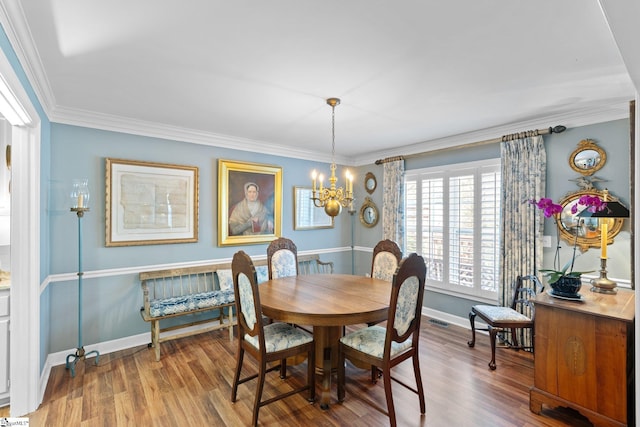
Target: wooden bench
[[190, 291]]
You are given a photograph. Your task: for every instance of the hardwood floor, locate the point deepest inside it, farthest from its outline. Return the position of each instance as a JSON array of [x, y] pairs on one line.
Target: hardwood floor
[[191, 386]]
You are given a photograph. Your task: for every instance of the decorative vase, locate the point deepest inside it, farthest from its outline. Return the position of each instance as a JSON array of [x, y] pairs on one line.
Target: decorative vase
[[566, 286]]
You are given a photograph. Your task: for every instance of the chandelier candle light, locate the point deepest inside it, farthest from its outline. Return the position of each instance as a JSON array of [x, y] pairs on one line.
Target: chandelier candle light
[[332, 198]]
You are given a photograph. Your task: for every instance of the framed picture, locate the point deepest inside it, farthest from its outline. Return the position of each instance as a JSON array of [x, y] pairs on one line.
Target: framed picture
[[249, 203], [305, 215], [150, 203]]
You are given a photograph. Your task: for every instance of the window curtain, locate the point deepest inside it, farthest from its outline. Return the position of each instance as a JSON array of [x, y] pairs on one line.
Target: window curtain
[[393, 202], [524, 166]]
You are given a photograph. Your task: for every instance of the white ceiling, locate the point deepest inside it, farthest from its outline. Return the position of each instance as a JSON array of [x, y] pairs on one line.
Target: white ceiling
[[412, 75]]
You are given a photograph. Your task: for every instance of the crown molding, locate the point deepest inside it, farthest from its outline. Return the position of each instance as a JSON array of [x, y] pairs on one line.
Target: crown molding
[[113, 123], [15, 27], [615, 110]]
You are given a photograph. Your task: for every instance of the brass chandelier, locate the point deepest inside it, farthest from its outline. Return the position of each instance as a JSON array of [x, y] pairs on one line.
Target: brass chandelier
[[331, 198]]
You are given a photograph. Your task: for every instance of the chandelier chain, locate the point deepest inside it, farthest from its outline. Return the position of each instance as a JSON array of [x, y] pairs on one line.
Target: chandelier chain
[[333, 134], [332, 198]]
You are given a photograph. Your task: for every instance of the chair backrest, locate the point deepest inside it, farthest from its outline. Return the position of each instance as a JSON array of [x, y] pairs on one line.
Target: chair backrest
[[245, 286], [407, 291], [386, 257], [282, 258], [524, 293]]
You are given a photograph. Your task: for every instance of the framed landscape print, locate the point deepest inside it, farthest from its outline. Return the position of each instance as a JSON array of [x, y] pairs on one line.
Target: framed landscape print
[[249, 203], [150, 203]]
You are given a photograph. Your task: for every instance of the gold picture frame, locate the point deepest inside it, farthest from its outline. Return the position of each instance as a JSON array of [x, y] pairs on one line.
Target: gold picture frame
[[587, 158], [241, 220], [305, 215], [150, 203], [584, 232]]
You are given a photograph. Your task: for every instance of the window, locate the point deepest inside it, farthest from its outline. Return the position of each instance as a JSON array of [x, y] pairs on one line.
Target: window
[[453, 220]]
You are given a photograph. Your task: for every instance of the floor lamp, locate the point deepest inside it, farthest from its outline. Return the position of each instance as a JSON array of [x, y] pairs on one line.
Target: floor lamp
[[352, 213], [80, 201]]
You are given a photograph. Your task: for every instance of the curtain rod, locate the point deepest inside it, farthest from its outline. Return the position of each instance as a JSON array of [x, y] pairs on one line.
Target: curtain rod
[[503, 138]]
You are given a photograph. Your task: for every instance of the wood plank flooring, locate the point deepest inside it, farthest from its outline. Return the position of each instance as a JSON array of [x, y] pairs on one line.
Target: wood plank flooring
[[191, 386]]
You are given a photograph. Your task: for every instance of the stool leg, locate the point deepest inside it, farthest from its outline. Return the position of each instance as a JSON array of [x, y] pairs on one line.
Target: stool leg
[[472, 320], [492, 336]]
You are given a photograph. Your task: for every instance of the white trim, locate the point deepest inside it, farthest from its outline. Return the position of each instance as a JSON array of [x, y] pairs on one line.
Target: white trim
[[25, 267], [71, 276], [24, 341], [17, 29]]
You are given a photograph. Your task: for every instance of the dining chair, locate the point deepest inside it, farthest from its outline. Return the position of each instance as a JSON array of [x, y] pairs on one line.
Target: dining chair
[[386, 257], [266, 343], [282, 258], [520, 314], [386, 347]]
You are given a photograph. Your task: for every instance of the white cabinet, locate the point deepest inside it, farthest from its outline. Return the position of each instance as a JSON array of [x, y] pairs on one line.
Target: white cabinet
[[4, 345]]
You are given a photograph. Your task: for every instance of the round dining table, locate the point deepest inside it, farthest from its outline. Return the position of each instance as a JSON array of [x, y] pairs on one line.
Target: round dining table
[[328, 302]]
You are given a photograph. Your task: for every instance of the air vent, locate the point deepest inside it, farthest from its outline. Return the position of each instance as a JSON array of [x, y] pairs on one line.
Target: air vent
[[439, 323]]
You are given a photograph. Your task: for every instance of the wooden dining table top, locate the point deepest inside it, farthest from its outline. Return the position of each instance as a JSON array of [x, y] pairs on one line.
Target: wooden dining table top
[[326, 299]]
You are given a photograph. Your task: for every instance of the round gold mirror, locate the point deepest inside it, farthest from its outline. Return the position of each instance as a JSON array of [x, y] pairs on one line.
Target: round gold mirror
[[370, 182], [369, 213], [588, 158], [584, 231]]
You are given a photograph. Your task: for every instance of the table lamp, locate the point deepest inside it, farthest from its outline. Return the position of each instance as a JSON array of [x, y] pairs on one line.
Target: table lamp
[[614, 209]]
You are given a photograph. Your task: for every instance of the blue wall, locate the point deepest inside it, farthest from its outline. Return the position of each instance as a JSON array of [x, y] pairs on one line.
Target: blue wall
[[112, 301]]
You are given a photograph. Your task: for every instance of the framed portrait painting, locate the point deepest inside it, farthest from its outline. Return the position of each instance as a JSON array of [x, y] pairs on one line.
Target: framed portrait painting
[[150, 203], [249, 203]]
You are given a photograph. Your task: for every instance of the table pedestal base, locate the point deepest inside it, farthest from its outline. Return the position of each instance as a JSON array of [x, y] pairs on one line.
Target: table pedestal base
[[326, 338]]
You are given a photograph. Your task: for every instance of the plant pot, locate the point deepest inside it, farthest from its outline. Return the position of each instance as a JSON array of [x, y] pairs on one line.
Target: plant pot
[[566, 286]]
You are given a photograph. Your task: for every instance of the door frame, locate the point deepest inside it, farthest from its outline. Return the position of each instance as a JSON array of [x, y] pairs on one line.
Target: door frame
[[24, 324]]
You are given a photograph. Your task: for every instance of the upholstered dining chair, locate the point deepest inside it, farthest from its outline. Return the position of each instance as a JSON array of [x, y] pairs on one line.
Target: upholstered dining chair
[[282, 258], [386, 257], [520, 314], [386, 347], [266, 343]]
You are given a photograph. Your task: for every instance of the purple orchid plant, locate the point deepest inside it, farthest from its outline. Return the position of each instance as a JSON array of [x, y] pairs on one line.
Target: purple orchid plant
[[550, 209]]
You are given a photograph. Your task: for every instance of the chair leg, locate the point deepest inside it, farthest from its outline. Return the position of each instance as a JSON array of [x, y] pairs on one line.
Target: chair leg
[[416, 371], [472, 320], [492, 336], [386, 376], [311, 375], [514, 336], [283, 368], [258, 399], [236, 378]]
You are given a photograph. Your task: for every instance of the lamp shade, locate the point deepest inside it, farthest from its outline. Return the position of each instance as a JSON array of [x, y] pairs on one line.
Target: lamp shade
[[613, 210], [80, 194]]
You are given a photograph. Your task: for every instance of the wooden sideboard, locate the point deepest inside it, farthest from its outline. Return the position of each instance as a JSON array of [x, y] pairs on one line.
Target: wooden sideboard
[[584, 356]]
